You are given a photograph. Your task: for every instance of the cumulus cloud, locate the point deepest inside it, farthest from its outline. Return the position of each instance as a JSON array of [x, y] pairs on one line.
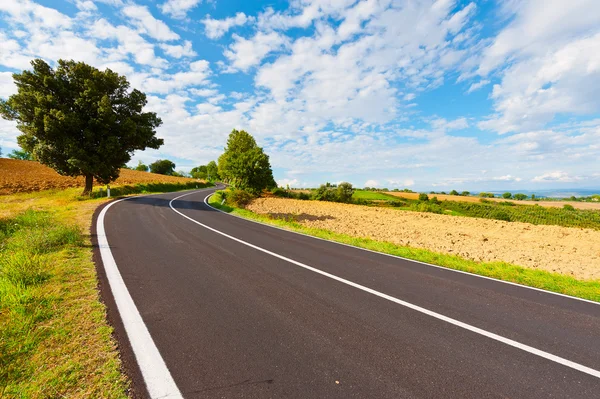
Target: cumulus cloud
[[554, 67], [215, 28], [246, 53], [142, 18], [178, 51], [178, 8], [558, 176]]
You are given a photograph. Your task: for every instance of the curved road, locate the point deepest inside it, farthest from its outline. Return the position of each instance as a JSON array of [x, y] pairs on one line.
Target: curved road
[[236, 309]]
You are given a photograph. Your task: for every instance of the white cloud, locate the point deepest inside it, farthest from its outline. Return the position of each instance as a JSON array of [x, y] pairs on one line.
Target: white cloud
[[288, 182], [558, 176], [28, 13], [85, 5], [372, 183], [443, 124], [478, 85], [178, 51], [246, 53], [197, 75], [146, 23], [553, 64], [215, 28], [7, 85], [178, 8], [130, 43]]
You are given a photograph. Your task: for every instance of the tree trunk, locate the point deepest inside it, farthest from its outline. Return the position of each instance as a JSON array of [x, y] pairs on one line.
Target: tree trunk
[[89, 182]]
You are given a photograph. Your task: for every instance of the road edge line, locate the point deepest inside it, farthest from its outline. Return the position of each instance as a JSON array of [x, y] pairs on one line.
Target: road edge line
[[159, 381], [408, 259], [449, 320]]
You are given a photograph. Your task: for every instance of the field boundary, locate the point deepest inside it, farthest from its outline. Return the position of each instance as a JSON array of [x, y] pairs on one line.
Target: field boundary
[[407, 259]]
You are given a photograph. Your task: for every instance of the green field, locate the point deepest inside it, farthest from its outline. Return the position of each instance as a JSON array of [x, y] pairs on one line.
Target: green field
[[372, 195]]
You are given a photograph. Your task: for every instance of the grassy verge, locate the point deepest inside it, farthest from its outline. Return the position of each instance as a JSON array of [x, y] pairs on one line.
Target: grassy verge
[[587, 289], [54, 338]]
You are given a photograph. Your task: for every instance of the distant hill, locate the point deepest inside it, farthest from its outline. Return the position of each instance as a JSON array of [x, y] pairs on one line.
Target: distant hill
[[27, 176]]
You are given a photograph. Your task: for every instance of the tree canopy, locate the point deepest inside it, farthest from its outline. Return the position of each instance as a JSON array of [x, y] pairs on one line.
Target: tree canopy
[[21, 154], [244, 164], [162, 167], [141, 167], [79, 120]]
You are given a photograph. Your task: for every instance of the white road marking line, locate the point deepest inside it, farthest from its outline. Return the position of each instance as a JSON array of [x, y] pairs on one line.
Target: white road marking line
[[446, 269], [496, 337], [158, 379]]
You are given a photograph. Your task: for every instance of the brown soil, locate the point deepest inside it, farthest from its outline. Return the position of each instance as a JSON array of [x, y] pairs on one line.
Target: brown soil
[[565, 250], [26, 176], [445, 197]]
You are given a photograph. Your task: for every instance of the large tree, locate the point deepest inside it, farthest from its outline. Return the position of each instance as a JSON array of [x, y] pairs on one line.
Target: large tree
[[79, 120], [212, 170], [244, 164], [162, 167]]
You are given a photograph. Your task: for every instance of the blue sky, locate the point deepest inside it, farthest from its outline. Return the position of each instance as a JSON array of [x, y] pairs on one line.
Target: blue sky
[[482, 95]]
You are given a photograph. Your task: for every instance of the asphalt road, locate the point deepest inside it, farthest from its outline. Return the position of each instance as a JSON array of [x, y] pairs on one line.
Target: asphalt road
[[234, 321]]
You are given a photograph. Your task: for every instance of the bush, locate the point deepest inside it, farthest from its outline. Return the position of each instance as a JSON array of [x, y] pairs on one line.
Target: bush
[[485, 201], [426, 207], [435, 200], [303, 196], [568, 207], [520, 197], [423, 197], [501, 215], [507, 195], [279, 192], [238, 198], [345, 192]]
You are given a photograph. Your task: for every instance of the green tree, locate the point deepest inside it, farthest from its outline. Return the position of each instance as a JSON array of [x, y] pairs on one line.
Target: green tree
[[465, 193], [21, 155], [162, 167], [454, 192], [507, 195], [244, 164], [79, 120], [345, 192], [520, 197], [212, 170], [141, 167], [423, 197], [199, 172]]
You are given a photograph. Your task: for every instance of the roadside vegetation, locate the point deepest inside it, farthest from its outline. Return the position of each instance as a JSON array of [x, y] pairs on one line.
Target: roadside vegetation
[[54, 338], [500, 270]]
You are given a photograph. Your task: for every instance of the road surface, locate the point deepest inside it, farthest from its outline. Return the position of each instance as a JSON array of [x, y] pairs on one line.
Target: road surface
[[207, 305]]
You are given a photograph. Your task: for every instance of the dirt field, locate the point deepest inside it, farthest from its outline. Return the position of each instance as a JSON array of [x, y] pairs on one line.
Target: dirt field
[[445, 197], [27, 176], [569, 251]]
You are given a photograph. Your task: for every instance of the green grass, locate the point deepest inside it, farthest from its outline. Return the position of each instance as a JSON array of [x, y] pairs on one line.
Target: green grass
[[54, 338], [373, 195], [54, 341], [587, 289]]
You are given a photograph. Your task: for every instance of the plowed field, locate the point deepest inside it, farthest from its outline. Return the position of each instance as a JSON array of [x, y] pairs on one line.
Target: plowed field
[[27, 176], [570, 251]]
